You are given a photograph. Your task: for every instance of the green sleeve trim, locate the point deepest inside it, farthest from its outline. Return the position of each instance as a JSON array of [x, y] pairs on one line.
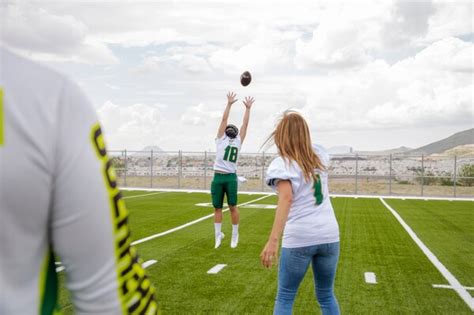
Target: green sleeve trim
[[48, 282]]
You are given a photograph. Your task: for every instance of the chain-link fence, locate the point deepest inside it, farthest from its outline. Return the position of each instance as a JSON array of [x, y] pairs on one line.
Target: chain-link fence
[[348, 174]]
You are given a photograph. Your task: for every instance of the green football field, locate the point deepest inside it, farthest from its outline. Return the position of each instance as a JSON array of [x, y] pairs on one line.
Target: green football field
[[372, 240]]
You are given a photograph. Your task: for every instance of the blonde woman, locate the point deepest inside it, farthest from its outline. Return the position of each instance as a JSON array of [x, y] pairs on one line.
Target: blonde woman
[[304, 216]]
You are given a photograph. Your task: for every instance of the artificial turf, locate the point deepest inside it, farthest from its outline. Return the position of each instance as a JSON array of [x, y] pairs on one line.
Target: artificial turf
[[371, 241]]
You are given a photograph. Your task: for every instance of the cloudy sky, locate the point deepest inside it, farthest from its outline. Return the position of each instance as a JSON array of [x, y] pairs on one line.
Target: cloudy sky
[[368, 74]]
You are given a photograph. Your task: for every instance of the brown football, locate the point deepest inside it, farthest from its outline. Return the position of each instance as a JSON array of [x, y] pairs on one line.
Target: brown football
[[245, 78]]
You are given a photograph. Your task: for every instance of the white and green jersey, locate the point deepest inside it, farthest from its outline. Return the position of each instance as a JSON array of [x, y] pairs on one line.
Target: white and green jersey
[[227, 153], [311, 220], [59, 200]]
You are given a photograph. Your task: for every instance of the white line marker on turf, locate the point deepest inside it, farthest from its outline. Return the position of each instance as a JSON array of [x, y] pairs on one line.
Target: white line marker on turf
[[138, 196], [370, 278], [445, 286], [456, 285], [148, 263], [216, 269], [190, 223]]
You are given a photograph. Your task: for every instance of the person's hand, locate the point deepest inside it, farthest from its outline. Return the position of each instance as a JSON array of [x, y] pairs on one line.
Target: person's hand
[[269, 253], [248, 102], [231, 98]]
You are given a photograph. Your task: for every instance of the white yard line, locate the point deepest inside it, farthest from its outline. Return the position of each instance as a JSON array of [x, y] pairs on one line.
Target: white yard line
[[148, 263], [370, 278], [214, 270], [138, 196], [445, 286], [455, 284], [190, 223], [402, 197], [256, 206]]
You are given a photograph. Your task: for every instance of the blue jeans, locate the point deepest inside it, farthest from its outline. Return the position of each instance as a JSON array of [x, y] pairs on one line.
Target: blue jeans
[[294, 263]]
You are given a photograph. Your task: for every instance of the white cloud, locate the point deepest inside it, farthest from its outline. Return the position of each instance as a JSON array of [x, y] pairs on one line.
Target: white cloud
[[408, 21], [46, 36], [131, 127], [199, 115]]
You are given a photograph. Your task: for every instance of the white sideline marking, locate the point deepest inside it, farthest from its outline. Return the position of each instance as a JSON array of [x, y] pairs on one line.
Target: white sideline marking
[[189, 223], [148, 263], [254, 206], [216, 269], [370, 278], [445, 286], [138, 196], [332, 195], [455, 284]]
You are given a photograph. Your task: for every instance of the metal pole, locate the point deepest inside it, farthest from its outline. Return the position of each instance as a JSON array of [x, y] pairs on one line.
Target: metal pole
[[390, 177], [180, 168], [422, 173], [205, 170], [151, 169], [455, 176], [263, 171], [125, 171], [357, 172]]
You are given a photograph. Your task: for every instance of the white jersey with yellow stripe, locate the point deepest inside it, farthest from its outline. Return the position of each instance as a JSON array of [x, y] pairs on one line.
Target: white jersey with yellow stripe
[[59, 200]]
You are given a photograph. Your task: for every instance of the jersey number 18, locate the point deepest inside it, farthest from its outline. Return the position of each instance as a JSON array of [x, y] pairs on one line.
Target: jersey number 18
[[231, 154]]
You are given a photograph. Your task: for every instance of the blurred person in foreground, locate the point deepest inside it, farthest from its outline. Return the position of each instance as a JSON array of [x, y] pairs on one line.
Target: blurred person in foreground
[[304, 216], [59, 199]]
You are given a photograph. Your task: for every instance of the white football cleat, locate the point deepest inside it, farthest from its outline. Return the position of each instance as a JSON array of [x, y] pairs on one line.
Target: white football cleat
[[235, 241], [219, 240]]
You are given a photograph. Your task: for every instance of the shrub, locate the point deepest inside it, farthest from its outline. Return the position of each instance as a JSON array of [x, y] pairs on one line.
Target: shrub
[[466, 175]]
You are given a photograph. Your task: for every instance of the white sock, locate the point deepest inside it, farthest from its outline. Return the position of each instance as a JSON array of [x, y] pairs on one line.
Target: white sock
[[235, 229], [217, 228]]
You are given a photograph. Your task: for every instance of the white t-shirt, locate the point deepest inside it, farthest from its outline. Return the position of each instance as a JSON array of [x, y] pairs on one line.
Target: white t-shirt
[[227, 153], [308, 223], [56, 199]]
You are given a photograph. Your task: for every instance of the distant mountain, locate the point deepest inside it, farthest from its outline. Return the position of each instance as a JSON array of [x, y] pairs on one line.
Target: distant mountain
[[386, 152], [458, 139], [148, 149], [341, 149]]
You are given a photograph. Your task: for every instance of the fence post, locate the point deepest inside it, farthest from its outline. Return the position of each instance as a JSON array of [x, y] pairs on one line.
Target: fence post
[[205, 170], [422, 173], [357, 172], [180, 168], [263, 171], [455, 176], [390, 177], [151, 169], [125, 171]]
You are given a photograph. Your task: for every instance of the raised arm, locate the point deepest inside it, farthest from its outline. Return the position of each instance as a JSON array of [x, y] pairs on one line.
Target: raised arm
[[248, 102], [230, 100], [270, 251]]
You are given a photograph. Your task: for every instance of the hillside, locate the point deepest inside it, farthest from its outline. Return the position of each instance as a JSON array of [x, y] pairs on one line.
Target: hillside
[[386, 152], [460, 151], [462, 138]]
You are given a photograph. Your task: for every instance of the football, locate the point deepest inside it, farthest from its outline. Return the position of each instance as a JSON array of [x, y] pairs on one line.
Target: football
[[245, 78]]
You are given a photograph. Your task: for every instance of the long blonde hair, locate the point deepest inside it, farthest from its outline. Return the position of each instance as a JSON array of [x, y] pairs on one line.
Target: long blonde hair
[[293, 141]]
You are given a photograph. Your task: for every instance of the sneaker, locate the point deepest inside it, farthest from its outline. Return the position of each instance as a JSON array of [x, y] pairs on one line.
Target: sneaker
[[235, 241], [219, 240]]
